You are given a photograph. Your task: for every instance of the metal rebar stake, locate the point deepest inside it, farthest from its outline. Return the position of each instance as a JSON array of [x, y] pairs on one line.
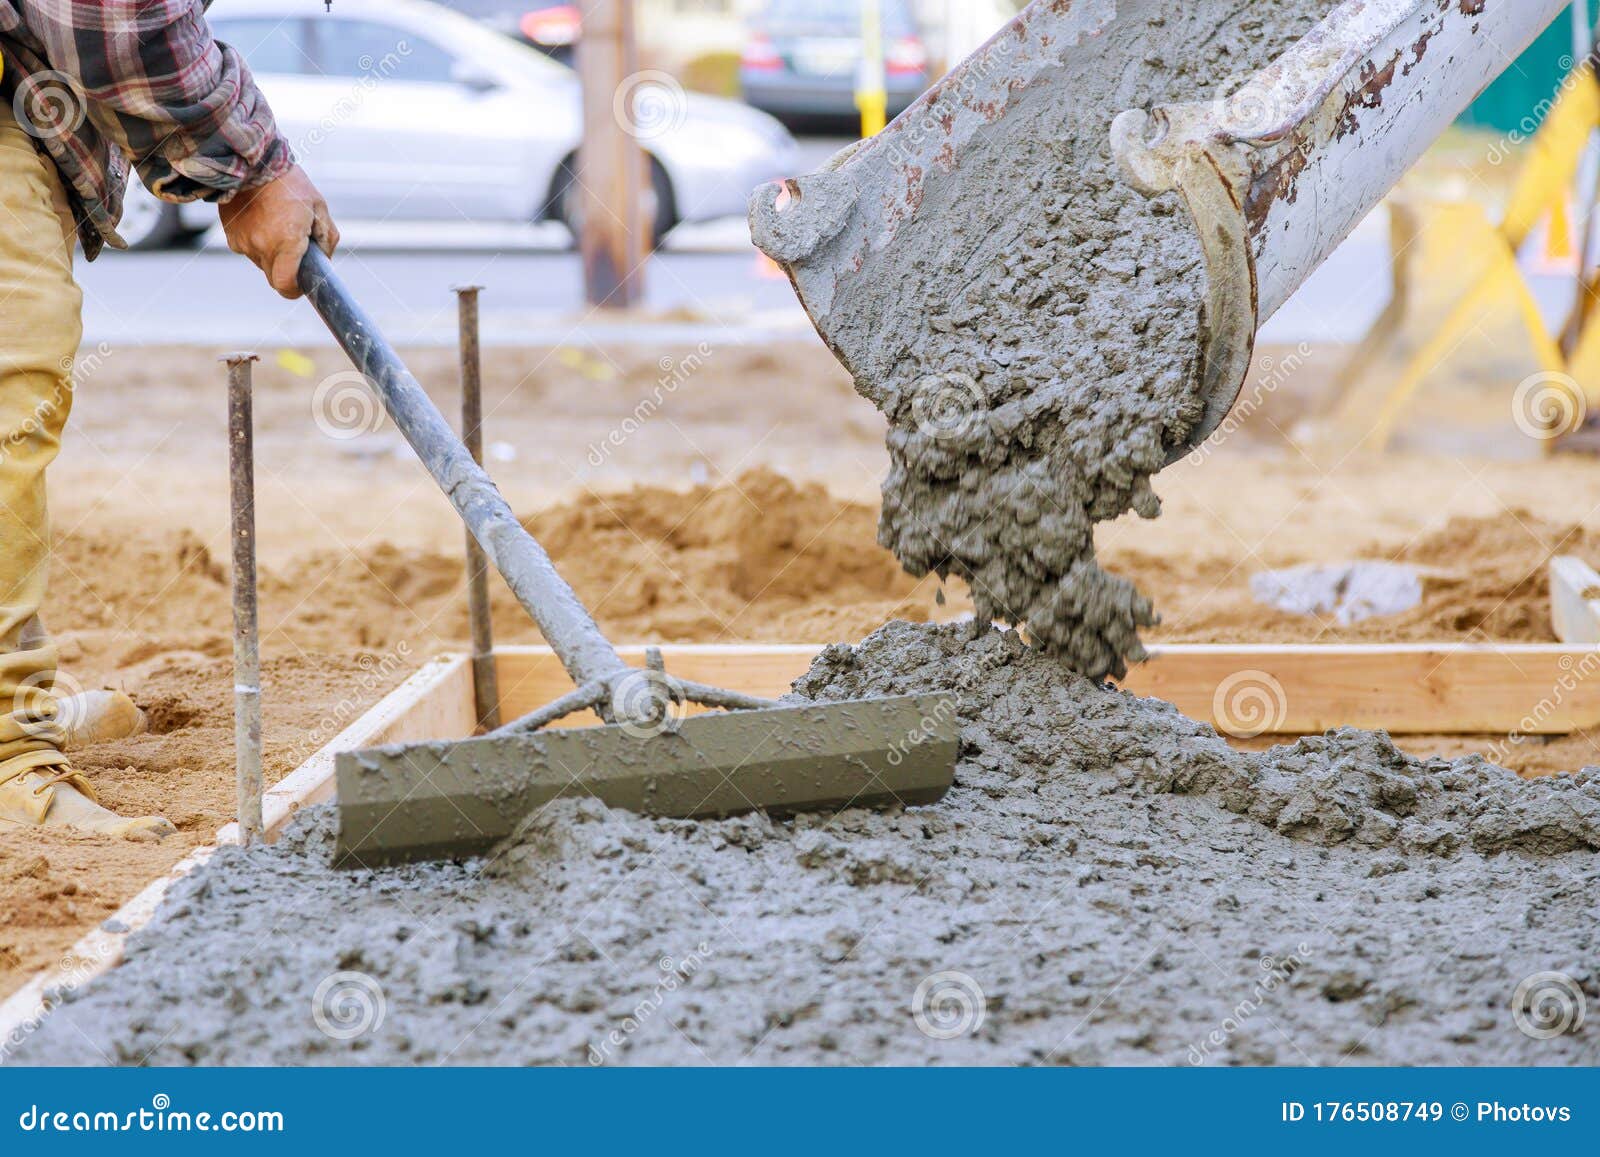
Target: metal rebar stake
[[246, 641], [485, 681]]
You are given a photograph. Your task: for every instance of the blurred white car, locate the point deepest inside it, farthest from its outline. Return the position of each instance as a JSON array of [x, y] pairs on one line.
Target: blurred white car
[[403, 110]]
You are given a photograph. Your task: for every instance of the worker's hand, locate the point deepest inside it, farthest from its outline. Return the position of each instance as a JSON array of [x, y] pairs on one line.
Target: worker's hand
[[272, 224]]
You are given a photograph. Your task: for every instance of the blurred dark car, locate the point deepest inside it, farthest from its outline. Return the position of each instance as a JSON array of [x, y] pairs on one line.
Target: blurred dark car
[[802, 58], [551, 26]]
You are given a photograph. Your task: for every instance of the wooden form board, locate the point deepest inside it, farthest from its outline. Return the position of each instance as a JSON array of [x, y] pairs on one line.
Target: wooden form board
[[1575, 601], [1417, 689]]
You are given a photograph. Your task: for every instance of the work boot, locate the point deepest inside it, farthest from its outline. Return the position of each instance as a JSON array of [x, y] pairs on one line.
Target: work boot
[[42, 789], [91, 717]]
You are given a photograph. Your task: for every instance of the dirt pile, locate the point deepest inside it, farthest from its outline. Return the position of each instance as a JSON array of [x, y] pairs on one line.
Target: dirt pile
[[1484, 577], [1107, 883], [756, 558]]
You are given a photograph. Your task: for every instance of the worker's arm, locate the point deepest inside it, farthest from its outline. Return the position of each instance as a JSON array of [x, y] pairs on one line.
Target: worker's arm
[[186, 112]]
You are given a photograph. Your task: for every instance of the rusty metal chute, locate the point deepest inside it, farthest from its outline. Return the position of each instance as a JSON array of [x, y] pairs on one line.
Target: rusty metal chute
[[1275, 173]]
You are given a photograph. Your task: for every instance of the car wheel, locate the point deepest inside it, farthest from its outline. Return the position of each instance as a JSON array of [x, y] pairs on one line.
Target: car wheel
[[149, 223], [660, 204]]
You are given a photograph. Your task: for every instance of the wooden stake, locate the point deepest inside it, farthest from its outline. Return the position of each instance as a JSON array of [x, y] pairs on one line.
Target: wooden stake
[[1575, 601], [611, 173]]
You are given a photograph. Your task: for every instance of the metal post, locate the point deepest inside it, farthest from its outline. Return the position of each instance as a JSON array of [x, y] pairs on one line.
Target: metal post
[[872, 83], [246, 641], [485, 682], [611, 163]]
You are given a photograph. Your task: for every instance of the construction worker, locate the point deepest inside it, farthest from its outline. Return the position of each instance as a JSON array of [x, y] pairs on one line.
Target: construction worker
[[88, 89]]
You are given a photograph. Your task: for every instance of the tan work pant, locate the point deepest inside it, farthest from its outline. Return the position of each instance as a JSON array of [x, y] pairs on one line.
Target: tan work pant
[[40, 326]]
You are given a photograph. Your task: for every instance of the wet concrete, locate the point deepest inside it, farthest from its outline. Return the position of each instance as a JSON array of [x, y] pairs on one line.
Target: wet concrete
[[1107, 883], [1034, 338]]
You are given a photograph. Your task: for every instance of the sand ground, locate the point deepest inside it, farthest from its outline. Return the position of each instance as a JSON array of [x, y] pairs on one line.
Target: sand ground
[[695, 495]]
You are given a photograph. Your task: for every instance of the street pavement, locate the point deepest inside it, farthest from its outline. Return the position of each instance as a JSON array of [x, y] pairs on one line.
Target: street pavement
[[708, 283]]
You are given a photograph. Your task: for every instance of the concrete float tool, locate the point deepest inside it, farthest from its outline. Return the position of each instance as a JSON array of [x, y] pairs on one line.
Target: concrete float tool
[[431, 800], [1275, 171]]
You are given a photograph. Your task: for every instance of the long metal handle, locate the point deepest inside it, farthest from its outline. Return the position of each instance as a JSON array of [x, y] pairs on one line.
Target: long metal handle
[[565, 622]]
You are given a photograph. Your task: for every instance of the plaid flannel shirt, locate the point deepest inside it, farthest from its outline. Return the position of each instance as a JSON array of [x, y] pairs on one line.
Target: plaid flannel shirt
[[99, 83]]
